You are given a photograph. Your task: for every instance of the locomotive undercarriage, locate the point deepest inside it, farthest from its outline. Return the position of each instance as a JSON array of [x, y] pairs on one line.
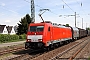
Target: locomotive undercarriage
[[40, 45], [34, 45]]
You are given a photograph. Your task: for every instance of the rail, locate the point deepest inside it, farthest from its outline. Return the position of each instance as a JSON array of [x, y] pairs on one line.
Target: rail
[[72, 57]]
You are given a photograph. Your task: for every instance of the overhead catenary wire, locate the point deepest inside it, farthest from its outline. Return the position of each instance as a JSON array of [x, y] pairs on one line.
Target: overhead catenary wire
[[49, 10], [68, 5], [9, 9], [41, 7], [81, 4]]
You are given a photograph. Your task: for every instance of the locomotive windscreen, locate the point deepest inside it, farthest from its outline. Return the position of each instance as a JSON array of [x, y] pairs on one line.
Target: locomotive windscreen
[[36, 28]]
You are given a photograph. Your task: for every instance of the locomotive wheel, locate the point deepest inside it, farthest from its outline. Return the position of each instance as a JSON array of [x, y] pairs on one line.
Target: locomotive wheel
[[57, 45], [51, 47], [48, 48], [26, 47]]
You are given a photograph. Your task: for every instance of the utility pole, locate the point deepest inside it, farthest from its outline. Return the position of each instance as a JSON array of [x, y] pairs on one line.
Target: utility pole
[[32, 11], [78, 24], [70, 15], [86, 25], [82, 23], [75, 19]]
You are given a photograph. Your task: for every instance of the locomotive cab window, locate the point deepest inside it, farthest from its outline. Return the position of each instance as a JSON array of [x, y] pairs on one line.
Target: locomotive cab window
[[32, 28], [40, 28], [36, 28]]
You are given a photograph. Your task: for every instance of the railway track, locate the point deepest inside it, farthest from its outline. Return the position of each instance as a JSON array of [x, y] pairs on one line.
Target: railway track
[[25, 56], [11, 50], [22, 54], [45, 55], [72, 52], [28, 56], [52, 55]]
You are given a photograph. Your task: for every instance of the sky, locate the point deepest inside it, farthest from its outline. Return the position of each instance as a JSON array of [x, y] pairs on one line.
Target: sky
[[11, 11]]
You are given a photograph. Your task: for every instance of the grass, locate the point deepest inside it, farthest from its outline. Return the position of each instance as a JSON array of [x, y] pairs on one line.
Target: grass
[[12, 41], [89, 58]]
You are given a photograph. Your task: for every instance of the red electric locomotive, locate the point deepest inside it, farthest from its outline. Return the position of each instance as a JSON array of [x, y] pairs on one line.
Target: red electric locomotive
[[41, 35]]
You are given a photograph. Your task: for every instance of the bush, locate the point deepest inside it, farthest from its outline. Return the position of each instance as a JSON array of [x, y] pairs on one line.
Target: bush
[[9, 38], [22, 36]]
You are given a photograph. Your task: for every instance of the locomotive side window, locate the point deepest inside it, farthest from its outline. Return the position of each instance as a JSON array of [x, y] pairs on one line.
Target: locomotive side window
[[49, 29], [36, 28]]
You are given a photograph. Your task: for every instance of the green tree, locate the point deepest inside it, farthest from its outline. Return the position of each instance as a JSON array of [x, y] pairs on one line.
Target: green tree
[[67, 25], [23, 25], [88, 28]]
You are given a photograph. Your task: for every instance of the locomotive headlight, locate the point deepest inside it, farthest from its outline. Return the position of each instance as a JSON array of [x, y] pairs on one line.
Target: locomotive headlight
[[40, 40], [29, 40]]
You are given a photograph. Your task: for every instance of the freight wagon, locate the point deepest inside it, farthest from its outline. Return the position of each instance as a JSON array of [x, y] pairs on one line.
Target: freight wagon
[[88, 32], [75, 33], [82, 33]]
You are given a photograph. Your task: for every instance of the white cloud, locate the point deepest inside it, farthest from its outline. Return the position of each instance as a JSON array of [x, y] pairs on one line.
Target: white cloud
[[3, 4], [7, 21]]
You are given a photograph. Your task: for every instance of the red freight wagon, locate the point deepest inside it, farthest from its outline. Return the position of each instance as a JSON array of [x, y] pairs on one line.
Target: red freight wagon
[[44, 34]]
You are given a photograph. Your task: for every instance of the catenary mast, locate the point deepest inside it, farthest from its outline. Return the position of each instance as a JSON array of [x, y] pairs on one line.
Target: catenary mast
[[32, 11]]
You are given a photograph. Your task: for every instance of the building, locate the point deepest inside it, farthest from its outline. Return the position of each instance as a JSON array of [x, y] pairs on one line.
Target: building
[[7, 29], [15, 28], [3, 29], [10, 30]]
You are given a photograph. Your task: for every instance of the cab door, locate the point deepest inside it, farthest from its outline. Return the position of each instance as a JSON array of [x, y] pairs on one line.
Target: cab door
[[51, 33]]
